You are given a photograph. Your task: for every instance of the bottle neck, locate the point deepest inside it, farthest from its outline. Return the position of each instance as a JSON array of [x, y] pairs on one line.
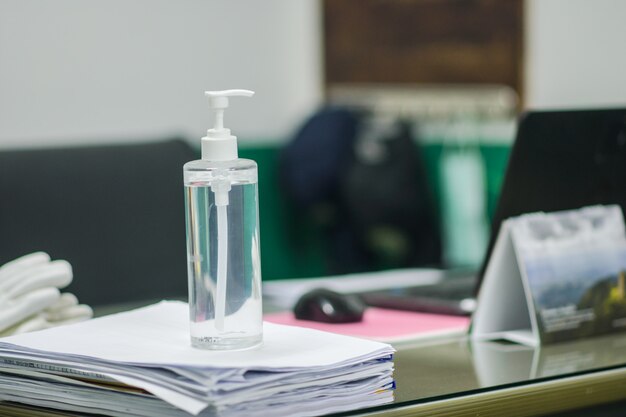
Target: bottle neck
[[219, 149]]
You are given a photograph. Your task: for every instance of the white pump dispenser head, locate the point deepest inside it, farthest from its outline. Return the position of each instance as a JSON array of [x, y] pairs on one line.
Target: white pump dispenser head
[[219, 144]]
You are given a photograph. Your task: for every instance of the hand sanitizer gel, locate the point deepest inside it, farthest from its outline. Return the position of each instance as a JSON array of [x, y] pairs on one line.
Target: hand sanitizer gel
[[223, 260]]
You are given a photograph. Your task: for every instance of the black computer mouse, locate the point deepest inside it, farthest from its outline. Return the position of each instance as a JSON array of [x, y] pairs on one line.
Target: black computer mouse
[[328, 306]]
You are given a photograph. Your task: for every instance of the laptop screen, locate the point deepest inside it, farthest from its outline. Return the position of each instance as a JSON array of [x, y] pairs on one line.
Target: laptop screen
[[563, 160]]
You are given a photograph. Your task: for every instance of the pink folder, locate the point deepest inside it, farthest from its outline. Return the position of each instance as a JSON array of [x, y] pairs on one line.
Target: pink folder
[[386, 325]]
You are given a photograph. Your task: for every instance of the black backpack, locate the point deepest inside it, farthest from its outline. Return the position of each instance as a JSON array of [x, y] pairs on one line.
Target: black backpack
[[372, 186]]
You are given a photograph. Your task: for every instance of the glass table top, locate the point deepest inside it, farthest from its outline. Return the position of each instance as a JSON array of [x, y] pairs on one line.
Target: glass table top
[[462, 365]]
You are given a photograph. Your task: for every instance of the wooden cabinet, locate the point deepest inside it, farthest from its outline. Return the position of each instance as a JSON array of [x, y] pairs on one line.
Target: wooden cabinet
[[424, 41]]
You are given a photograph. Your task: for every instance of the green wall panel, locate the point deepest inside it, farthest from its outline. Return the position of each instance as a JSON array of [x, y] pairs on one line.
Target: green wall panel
[[291, 247]]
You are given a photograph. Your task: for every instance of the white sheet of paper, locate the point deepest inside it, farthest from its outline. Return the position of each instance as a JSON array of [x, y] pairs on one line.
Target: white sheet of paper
[[159, 334], [285, 292]]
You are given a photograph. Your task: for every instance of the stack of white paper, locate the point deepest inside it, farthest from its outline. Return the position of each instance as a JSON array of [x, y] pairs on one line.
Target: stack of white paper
[[140, 363]]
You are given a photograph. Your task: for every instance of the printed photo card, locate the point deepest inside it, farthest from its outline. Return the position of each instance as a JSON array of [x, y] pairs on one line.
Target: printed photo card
[[555, 277]]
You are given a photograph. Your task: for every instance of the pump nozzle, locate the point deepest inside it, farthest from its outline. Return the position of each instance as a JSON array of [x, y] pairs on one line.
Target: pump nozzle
[[219, 99], [219, 144]]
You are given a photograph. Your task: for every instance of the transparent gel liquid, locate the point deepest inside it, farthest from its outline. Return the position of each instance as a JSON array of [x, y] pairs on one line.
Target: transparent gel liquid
[[240, 325]]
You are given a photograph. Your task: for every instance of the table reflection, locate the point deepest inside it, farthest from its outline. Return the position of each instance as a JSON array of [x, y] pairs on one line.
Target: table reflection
[[464, 366]]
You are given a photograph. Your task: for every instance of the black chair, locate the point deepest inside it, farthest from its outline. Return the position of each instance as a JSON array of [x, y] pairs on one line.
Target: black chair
[[115, 212]]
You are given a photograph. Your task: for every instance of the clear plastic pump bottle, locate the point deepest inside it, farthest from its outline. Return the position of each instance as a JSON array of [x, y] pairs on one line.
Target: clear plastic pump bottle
[[223, 256]]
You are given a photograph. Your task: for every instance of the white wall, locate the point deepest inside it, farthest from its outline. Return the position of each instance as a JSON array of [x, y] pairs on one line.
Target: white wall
[[73, 71], [575, 53]]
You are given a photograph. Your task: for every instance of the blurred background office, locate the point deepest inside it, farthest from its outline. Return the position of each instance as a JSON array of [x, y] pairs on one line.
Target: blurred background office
[[413, 103]]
